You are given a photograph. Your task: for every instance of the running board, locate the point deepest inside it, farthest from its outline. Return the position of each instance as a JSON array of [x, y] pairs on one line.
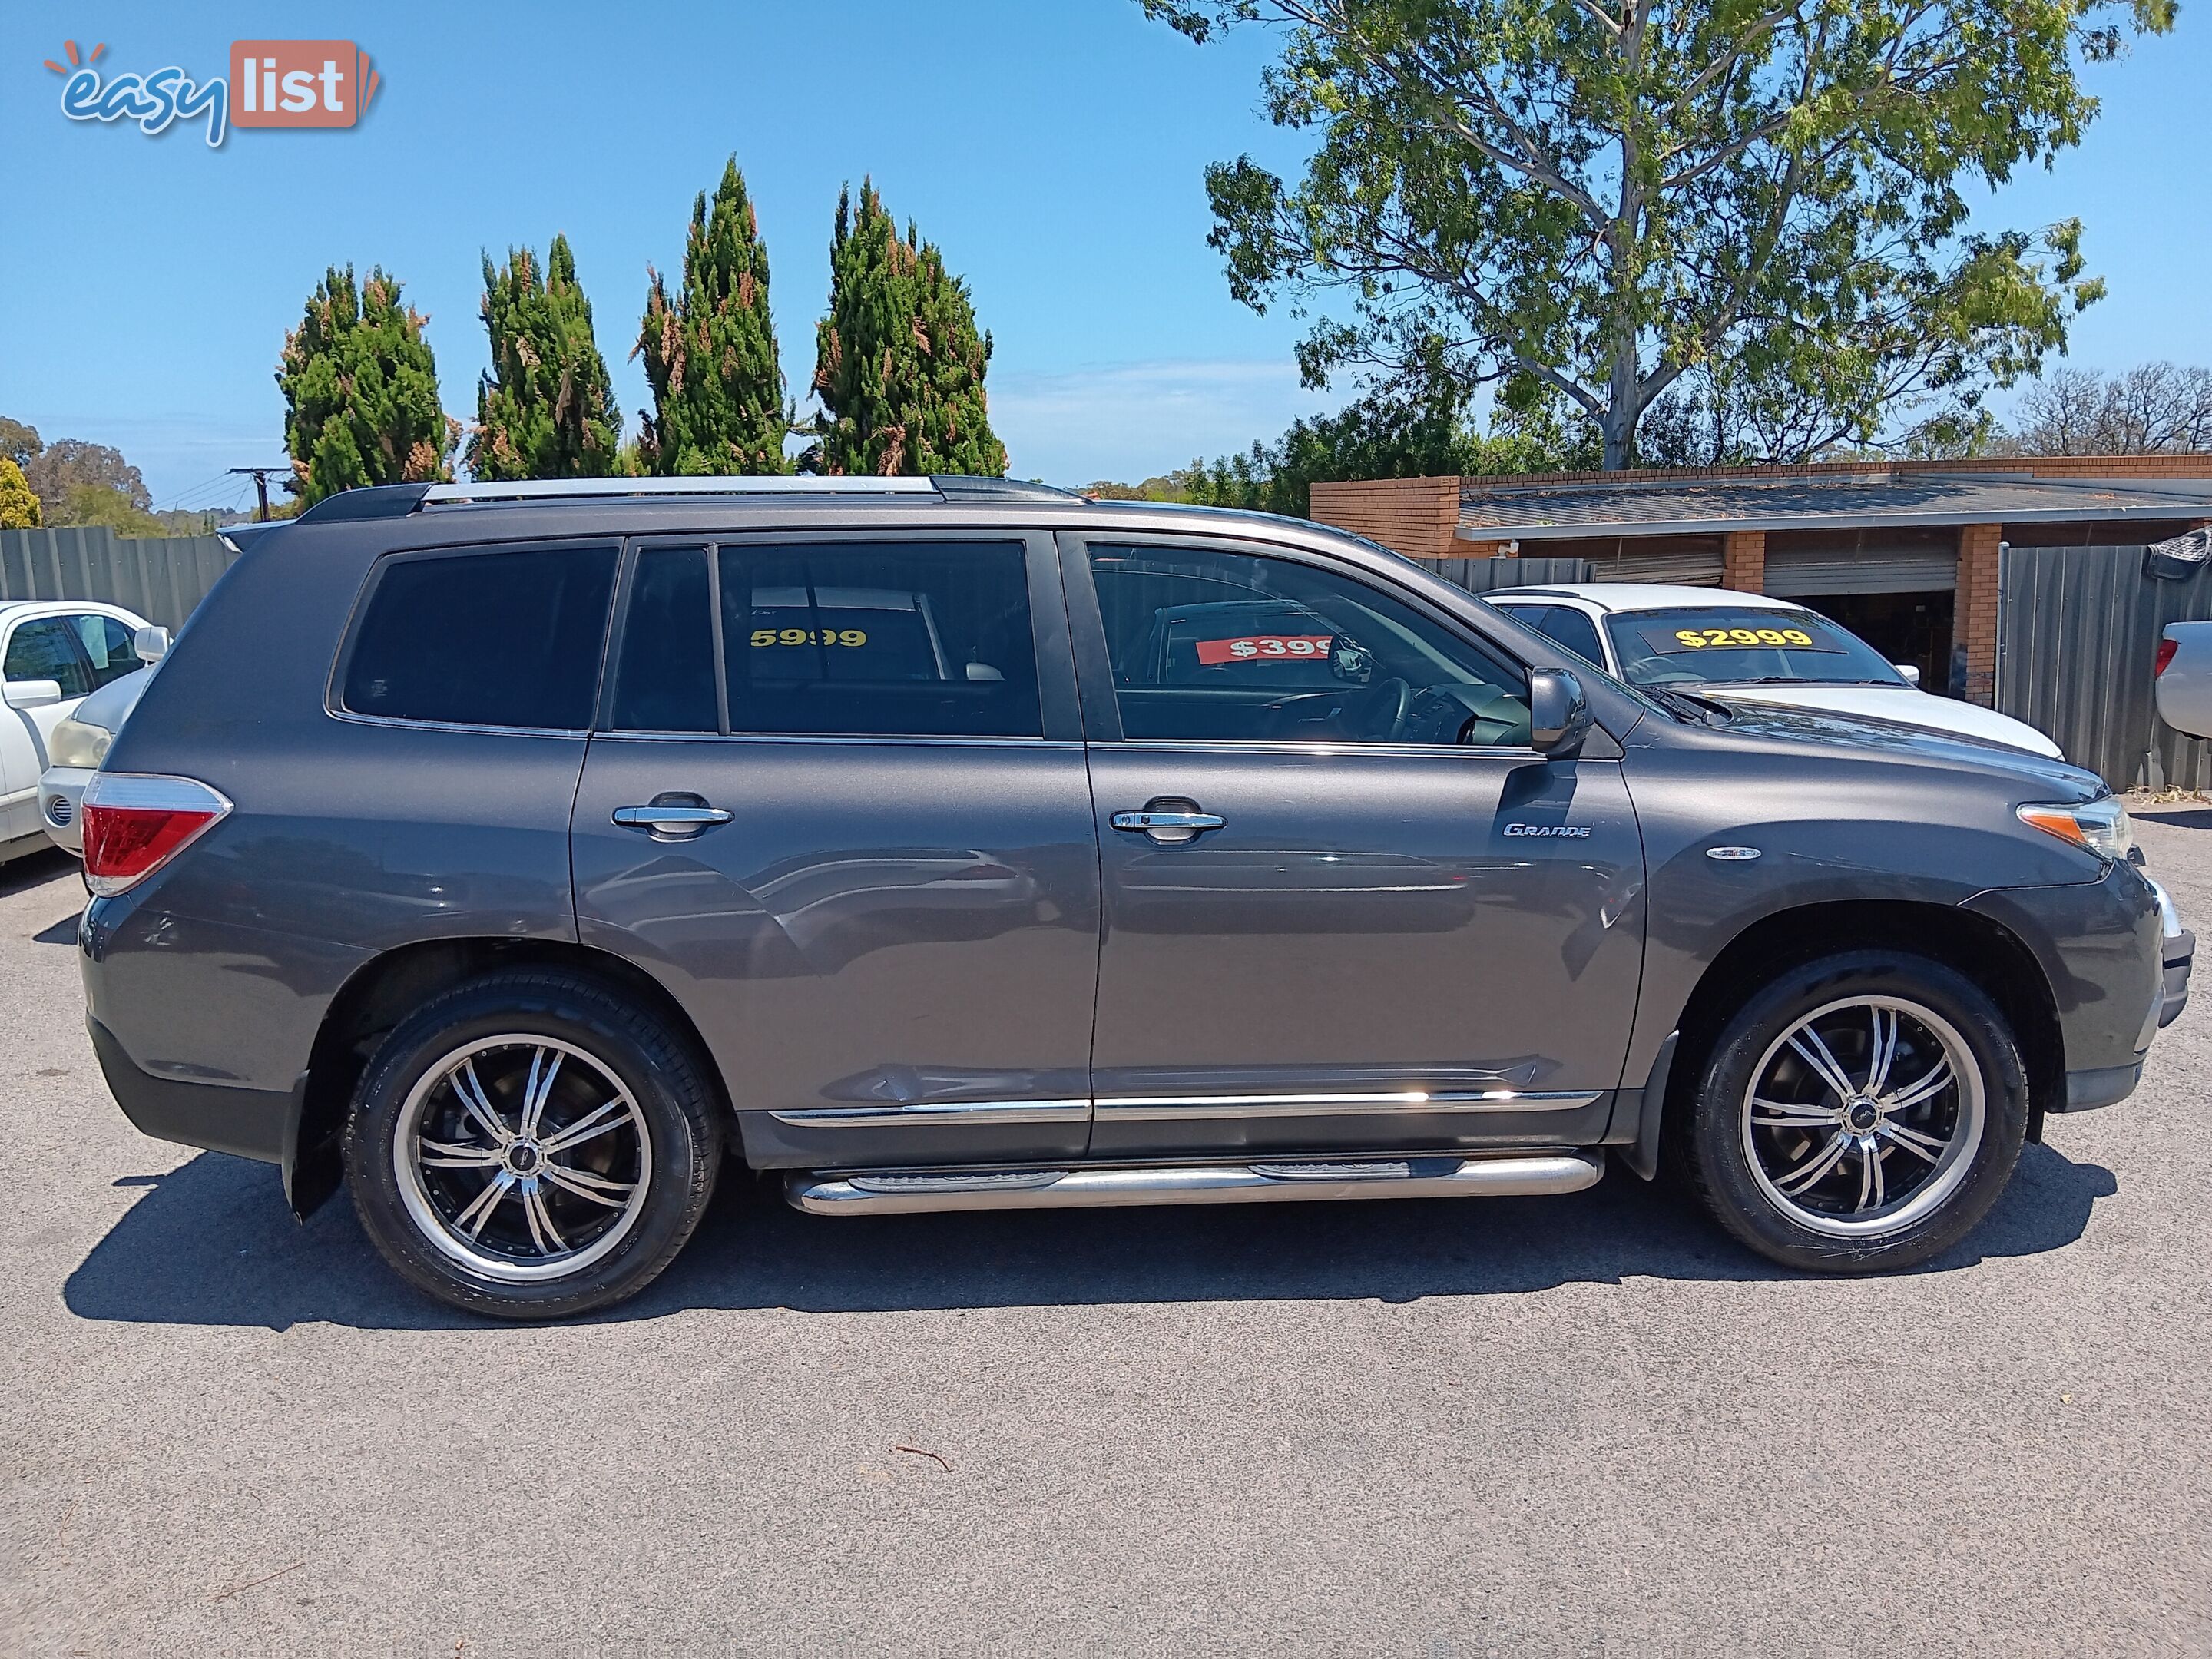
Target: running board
[[892, 1193]]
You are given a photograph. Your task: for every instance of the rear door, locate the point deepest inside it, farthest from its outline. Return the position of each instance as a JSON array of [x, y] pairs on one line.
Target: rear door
[[1346, 906], [838, 806]]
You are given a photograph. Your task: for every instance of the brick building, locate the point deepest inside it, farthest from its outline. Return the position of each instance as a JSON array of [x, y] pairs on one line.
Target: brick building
[[1909, 554]]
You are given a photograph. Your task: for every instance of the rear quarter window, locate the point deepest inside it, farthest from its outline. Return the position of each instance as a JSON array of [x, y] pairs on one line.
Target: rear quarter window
[[475, 637]]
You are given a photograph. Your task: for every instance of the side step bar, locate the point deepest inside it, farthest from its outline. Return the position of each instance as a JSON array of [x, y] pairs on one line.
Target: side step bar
[[894, 1193]]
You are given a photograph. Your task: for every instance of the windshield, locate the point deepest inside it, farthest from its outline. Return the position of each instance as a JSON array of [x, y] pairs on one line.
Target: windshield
[[1742, 645]]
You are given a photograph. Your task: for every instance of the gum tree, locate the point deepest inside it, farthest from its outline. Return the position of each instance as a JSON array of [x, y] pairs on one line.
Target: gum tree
[[899, 365], [360, 391], [545, 409], [1586, 200], [710, 352]]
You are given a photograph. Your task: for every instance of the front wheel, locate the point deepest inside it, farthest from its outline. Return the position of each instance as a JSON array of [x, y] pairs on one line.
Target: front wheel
[[1861, 1112], [531, 1145]]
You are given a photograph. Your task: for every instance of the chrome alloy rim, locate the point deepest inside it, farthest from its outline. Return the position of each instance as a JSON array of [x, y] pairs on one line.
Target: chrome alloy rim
[[522, 1158], [1864, 1116]]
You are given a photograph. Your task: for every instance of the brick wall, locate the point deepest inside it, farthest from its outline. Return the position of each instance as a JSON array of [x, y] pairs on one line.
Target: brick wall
[[1743, 561], [1974, 622], [1417, 517]]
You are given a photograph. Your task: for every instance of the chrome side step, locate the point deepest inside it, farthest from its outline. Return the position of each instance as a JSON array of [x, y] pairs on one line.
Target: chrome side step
[[894, 1192]]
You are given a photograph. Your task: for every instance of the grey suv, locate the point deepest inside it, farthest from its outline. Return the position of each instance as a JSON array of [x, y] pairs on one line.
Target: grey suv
[[521, 854]]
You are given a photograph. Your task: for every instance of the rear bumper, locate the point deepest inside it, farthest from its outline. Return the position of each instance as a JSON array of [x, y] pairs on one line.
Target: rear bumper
[[253, 1123]]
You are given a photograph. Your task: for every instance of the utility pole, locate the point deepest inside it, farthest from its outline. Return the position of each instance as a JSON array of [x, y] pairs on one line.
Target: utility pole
[[261, 487]]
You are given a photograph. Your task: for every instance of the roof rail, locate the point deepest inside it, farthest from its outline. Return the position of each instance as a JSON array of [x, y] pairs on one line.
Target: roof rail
[[397, 501], [533, 489]]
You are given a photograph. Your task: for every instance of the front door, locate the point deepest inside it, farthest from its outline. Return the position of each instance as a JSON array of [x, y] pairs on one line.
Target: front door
[[838, 807], [1346, 906]]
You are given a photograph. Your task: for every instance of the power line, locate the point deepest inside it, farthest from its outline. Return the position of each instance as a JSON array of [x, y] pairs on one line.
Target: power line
[[261, 487]]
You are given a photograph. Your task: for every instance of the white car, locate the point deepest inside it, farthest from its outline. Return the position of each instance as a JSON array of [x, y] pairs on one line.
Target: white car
[[80, 744], [1747, 647], [53, 654]]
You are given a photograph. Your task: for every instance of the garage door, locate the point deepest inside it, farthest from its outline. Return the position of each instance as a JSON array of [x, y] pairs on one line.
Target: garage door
[[1692, 567], [1806, 573]]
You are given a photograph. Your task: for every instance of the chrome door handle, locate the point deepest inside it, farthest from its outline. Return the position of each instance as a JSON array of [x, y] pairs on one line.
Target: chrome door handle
[[668, 817], [1167, 828]]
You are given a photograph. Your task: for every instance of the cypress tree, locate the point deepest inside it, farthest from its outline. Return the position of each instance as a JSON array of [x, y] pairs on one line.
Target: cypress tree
[[360, 391], [710, 353], [545, 409], [899, 366], [19, 507]]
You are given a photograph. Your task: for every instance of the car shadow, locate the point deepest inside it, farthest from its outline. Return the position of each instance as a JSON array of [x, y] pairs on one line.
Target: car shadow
[[2184, 817], [35, 870], [212, 1243]]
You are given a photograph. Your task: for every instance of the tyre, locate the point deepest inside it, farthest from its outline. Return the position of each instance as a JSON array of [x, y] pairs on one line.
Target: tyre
[[531, 1145], [1860, 1112]]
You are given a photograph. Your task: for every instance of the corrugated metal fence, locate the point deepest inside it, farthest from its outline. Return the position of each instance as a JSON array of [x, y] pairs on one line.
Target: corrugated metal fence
[[2077, 640], [160, 578], [1484, 575]]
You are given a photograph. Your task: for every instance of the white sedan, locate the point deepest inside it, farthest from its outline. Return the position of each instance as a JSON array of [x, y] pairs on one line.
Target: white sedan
[[1746, 648], [53, 654]]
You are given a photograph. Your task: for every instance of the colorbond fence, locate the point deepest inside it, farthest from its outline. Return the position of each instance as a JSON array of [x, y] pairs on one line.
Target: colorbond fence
[[2077, 641], [160, 578]]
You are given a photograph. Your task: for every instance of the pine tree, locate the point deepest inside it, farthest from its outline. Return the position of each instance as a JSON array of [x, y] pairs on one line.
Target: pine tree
[[19, 507], [545, 409], [361, 392], [710, 353], [899, 367]]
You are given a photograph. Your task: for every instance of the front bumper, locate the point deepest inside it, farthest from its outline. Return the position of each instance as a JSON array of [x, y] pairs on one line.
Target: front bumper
[[2177, 954], [61, 805]]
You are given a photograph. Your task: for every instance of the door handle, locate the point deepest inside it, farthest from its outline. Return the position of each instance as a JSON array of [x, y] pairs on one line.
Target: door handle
[[684, 815], [1167, 827]]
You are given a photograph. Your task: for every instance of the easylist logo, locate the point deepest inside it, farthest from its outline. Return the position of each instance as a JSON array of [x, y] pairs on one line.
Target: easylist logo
[[272, 83]]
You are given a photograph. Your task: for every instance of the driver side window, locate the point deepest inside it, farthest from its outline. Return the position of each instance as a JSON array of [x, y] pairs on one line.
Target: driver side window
[[1212, 645]]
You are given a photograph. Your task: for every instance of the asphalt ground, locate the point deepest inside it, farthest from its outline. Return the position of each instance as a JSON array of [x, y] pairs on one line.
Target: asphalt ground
[[1588, 1425]]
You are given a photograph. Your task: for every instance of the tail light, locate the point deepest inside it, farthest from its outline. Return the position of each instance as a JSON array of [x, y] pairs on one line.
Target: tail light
[[2166, 650], [135, 824]]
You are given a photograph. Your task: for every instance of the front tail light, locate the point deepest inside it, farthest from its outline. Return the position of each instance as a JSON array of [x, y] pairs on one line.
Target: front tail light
[[2166, 650], [134, 824]]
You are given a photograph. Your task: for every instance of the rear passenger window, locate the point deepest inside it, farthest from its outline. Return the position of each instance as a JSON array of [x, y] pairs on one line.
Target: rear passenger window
[[666, 679], [879, 640], [475, 638]]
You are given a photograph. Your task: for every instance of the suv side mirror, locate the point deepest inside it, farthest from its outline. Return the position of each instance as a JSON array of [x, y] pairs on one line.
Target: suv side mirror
[[1558, 713], [150, 644], [1910, 670], [33, 694]]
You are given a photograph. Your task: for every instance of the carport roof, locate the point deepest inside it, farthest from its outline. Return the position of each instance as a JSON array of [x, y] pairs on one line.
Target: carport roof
[[1707, 507]]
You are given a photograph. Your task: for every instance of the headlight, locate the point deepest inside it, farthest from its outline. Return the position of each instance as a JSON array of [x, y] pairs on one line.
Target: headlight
[[76, 743], [2100, 826]]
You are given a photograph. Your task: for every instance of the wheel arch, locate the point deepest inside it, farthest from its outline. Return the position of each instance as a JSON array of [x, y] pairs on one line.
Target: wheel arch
[[1988, 953], [383, 990]]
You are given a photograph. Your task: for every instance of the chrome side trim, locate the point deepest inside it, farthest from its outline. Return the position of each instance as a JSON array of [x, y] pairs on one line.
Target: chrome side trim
[[918, 1113], [1138, 1109], [889, 1194]]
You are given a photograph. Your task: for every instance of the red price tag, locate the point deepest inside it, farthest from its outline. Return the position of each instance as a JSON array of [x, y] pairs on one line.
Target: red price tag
[[1261, 647]]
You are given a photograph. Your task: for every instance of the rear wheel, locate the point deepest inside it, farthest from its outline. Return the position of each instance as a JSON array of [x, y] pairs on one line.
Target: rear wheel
[[1862, 1111], [531, 1145]]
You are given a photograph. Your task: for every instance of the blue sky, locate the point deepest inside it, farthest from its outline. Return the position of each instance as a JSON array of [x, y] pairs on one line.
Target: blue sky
[[1053, 148]]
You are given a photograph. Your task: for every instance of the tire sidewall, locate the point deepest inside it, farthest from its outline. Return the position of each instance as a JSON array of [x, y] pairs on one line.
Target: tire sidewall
[[1720, 1165], [664, 1084]]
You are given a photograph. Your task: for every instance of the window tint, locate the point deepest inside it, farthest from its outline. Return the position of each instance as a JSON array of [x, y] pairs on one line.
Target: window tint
[[666, 679], [879, 639], [44, 649], [1215, 645], [485, 639], [1565, 626], [107, 643]]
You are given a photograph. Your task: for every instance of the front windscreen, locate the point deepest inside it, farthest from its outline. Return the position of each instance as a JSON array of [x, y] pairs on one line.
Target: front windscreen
[[1729, 645]]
